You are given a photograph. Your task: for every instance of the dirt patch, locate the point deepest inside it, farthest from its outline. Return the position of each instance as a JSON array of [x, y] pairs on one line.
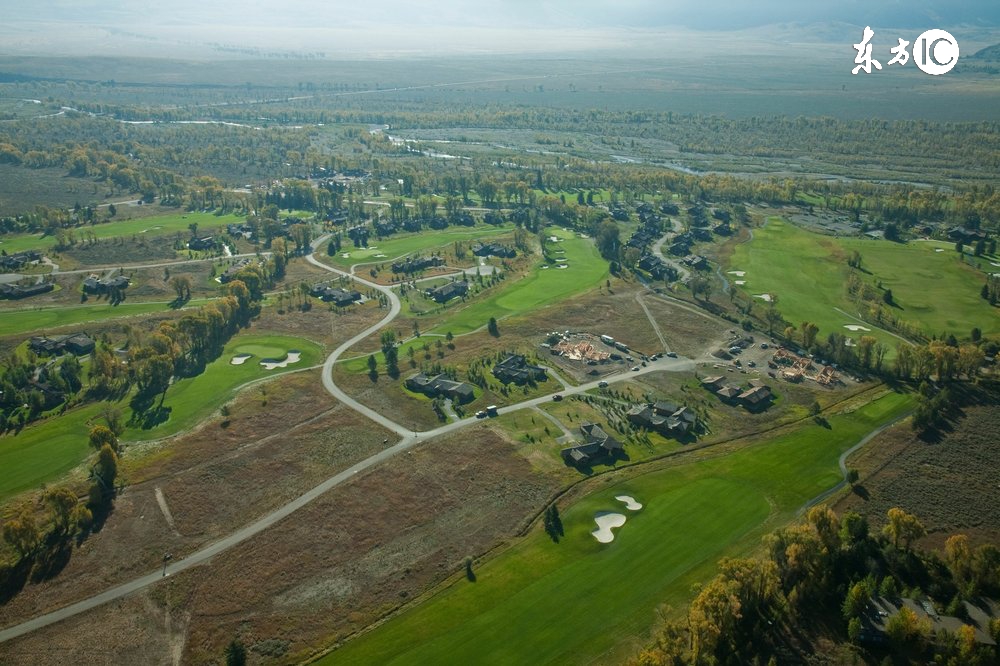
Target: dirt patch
[[951, 484], [687, 330], [320, 324]]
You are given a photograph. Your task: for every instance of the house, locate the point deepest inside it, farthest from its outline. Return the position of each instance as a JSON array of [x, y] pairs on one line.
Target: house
[[494, 250], [95, 285], [76, 343], [339, 297], [728, 393], [79, 344], [15, 262], [598, 445], [712, 383], [203, 243], [664, 417], [15, 292], [416, 264], [439, 385], [446, 292], [756, 398], [230, 273], [516, 369], [695, 261]]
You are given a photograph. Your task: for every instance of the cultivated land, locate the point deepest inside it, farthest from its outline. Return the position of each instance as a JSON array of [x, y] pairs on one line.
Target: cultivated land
[[934, 290], [595, 601]]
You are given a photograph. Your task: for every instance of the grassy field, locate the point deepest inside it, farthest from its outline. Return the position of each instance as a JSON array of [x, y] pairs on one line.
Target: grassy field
[[403, 244], [933, 289], [151, 226], [14, 322], [43, 452], [539, 289], [582, 602]]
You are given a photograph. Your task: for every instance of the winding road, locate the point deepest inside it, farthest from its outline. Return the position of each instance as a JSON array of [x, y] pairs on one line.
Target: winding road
[[408, 439]]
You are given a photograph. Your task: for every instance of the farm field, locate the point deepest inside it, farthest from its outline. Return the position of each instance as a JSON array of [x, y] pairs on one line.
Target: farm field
[[579, 600], [53, 447], [400, 245], [159, 225], [933, 290]]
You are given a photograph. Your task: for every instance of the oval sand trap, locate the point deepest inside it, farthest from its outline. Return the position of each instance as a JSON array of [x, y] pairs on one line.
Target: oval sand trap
[[240, 359], [763, 297], [737, 273], [292, 356], [606, 520], [855, 327], [630, 502]]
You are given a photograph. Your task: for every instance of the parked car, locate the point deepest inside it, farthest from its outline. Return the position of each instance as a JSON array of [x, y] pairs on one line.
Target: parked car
[[602, 384], [557, 397], [672, 354]]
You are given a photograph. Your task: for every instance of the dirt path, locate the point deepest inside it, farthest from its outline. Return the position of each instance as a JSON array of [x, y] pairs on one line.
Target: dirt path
[[652, 322], [162, 501]]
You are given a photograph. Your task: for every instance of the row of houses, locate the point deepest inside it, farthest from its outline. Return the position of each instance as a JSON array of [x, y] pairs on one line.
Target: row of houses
[[339, 297], [597, 446], [15, 262], [416, 264], [440, 385], [15, 292], [756, 397], [74, 343], [664, 417], [655, 266]]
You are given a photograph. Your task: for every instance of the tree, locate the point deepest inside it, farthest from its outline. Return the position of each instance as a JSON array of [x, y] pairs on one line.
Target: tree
[[61, 500], [181, 284], [106, 468], [236, 654], [101, 435], [607, 240], [700, 286], [887, 297], [22, 533], [492, 327], [809, 332], [903, 527], [906, 630]]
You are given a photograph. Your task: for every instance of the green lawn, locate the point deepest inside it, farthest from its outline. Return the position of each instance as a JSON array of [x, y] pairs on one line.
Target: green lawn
[[540, 288], [583, 602], [807, 272], [402, 244], [44, 452], [158, 225], [13, 322]]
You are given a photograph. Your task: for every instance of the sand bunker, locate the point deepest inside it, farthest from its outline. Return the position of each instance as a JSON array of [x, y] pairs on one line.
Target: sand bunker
[[562, 266], [379, 256], [293, 356], [240, 359], [606, 520], [345, 255], [855, 328], [737, 273], [993, 263], [630, 502], [763, 297], [938, 250], [545, 268], [740, 283]]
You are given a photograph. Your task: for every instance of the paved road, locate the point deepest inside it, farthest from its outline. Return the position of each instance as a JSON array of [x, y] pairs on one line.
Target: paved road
[[408, 439]]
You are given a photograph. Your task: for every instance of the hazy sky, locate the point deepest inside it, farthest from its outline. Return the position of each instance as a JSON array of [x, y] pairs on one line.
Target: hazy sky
[[386, 27], [706, 14]]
